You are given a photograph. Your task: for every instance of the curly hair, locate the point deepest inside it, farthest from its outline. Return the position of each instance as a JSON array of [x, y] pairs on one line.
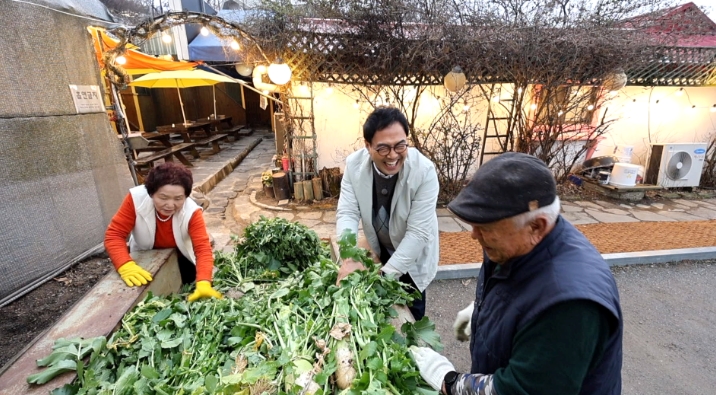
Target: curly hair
[[168, 173]]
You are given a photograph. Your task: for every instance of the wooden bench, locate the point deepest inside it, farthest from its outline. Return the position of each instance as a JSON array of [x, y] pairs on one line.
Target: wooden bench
[[213, 140], [238, 131], [166, 154]]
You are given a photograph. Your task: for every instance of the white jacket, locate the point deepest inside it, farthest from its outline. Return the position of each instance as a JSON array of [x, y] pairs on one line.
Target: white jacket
[[413, 221], [145, 226]]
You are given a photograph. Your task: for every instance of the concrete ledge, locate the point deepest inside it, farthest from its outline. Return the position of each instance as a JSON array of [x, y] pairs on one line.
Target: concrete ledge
[[470, 270], [253, 201], [208, 183], [659, 256], [463, 270], [98, 313]]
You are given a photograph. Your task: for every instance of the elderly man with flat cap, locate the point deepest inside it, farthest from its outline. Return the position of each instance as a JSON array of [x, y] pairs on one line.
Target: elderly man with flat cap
[[546, 317]]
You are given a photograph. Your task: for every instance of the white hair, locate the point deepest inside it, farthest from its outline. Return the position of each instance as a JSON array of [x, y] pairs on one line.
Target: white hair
[[550, 212]]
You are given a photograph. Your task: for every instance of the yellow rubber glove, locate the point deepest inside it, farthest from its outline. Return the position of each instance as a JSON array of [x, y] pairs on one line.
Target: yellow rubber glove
[[133, 274], [204, 290]]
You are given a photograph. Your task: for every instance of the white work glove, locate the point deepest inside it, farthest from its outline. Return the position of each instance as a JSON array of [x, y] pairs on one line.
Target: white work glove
[[463, 324], [433, 366]]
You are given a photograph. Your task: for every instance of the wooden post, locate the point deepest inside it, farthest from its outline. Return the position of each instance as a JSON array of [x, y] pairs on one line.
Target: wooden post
[[331, 180], [281, 188], [317, 188], [307, 189], [298, 191]]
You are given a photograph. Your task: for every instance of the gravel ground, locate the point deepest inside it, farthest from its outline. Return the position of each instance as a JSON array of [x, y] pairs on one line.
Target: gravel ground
[[669, 319]]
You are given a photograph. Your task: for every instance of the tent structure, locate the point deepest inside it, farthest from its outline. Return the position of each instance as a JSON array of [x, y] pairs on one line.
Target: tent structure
[[213, 49], [137, 62]]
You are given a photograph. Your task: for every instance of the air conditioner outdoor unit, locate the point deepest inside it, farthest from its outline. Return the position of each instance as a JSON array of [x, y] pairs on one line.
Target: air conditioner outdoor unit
[[676, 165]]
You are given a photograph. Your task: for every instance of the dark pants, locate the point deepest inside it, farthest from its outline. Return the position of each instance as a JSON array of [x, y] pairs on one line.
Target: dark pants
[[418, 306], [186, 269]]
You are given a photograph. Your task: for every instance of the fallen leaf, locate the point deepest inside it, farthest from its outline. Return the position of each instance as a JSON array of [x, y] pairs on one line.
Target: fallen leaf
[[63, 280]]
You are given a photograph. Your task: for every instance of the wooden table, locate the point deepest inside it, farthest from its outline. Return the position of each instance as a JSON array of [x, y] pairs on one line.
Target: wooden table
[[219, 123], [165, 139], [187, 131]]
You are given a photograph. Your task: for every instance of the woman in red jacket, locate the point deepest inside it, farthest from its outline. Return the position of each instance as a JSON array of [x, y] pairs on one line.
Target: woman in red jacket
[[160, 214]]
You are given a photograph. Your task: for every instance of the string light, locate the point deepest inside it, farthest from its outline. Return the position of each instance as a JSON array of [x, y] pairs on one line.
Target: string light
[[680, 92], [713, 108], [496, 99], [235, 45], [166, 38], [466, 108], [533, 106], [204, 31], [121, 60], [329, 89], [590, 107], [356, 105], [560, 113]]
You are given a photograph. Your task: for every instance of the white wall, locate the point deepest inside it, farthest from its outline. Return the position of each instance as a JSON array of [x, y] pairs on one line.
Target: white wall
[[640, 120], [339, 122], [659, 115]]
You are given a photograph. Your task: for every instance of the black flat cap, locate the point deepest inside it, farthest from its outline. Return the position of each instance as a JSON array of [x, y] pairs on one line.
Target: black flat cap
[[509, 184]]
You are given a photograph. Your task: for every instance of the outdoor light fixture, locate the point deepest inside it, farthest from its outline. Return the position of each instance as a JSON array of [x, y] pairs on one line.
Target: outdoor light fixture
[[166, 38], [243, 69], [279, 73], [204, 31], [235, 46], [680, 92], [357, 105], [121, 60], [329, 90], [455, 79]]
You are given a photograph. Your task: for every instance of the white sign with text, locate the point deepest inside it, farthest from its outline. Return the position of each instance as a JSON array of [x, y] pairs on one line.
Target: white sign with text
[[87, 98]]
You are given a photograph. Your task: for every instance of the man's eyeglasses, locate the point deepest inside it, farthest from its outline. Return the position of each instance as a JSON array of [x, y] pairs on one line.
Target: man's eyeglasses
[[384, 150]]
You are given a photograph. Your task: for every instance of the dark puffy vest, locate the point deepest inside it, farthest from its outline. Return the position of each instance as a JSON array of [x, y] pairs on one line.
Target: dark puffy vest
[[564, 266]]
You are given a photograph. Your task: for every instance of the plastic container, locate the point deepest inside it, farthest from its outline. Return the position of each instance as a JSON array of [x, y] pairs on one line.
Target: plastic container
[[624, 175], [604, 177], [624, 153]]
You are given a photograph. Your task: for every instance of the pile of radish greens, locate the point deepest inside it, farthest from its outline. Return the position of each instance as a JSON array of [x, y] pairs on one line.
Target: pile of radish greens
[[283, 327]]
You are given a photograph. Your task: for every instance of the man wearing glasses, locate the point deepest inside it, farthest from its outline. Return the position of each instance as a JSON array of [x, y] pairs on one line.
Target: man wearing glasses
[[393, 190]]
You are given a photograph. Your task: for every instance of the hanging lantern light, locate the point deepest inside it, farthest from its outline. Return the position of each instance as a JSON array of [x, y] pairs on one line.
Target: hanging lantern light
[[615, 81], [244, 69], [279, 73], [455, 80]]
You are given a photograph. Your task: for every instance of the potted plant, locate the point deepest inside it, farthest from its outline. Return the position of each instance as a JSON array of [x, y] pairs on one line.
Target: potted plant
[[267, 181]]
